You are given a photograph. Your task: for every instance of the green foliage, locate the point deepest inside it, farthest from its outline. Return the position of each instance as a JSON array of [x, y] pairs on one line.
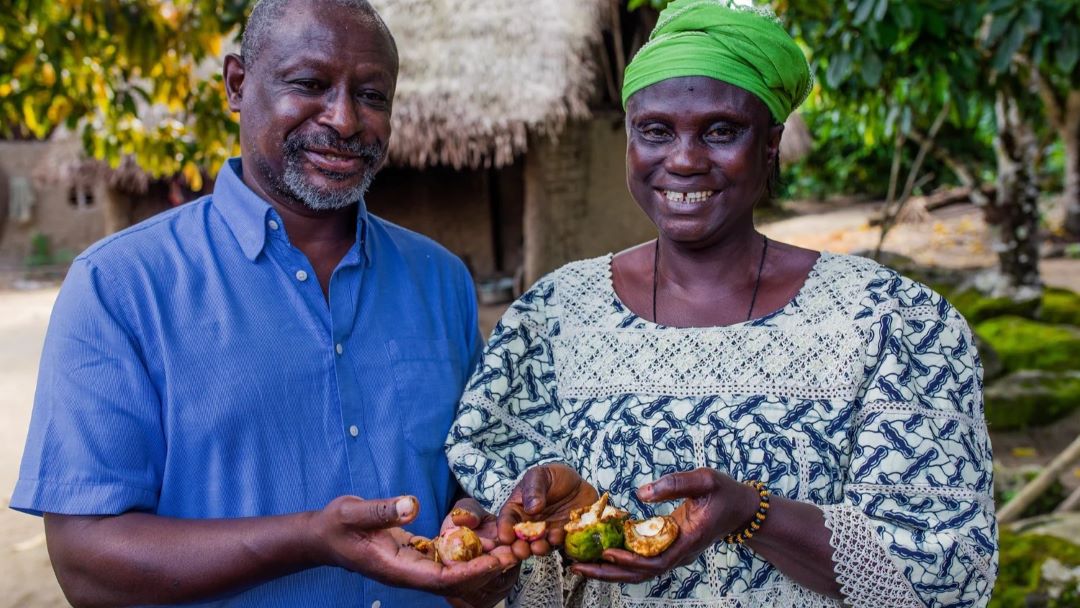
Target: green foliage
[[1024, 344], [98, 65], [42, 254], [40, 251], [1031, 398], [1020, 570]]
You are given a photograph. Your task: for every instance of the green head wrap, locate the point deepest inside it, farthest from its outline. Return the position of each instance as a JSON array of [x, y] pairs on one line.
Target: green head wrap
[[745, 47]]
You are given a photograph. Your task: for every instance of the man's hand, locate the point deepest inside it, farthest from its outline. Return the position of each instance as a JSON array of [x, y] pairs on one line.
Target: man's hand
[[364, 536], [546, 493], [468, 513], [714, 505]]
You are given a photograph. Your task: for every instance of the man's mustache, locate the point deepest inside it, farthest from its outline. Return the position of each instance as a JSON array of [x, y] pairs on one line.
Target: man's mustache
[[369, 153]]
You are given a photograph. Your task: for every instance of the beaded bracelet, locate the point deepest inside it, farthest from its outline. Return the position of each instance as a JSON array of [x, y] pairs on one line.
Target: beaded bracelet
[[759, 518]]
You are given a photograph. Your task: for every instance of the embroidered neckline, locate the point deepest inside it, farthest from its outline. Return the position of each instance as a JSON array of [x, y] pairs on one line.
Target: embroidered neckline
[[812, 277]]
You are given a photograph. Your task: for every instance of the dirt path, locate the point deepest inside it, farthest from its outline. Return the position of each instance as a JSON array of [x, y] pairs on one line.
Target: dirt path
[[27, 580]]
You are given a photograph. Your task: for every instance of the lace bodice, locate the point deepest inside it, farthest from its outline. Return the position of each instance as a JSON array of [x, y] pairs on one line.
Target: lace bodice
[[862, 395]]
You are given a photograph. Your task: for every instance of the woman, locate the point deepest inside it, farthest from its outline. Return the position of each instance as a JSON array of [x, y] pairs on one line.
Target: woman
[[669, 374]]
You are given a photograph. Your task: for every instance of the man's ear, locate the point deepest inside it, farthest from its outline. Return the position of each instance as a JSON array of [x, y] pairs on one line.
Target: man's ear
[[234, 72]]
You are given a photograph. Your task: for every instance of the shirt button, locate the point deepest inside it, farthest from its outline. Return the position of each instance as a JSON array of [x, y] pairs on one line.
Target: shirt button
[[301, 275], [354, 431], [273, 225], [376, 604], [339, 348]]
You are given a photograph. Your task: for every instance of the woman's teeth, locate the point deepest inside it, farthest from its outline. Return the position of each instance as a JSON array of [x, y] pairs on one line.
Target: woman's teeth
[[687, 197]]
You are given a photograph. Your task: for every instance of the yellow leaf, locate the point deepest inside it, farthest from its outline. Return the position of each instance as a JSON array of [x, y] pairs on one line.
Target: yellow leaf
[[29, 115], [1024, 452], [58, 109], [193, 176], [5, 89], [48, 75]]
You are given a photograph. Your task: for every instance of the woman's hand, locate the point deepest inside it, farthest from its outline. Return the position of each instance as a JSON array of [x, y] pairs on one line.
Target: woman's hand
[[715, 505], [548, 493]]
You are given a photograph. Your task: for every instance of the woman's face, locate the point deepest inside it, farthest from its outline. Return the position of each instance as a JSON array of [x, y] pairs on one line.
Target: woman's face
[[698, 157]]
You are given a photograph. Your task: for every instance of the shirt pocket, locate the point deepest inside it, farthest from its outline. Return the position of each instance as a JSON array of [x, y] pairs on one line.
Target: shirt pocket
[[428, 381]]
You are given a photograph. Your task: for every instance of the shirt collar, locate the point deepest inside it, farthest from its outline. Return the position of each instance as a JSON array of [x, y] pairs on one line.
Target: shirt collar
[[247, 214]]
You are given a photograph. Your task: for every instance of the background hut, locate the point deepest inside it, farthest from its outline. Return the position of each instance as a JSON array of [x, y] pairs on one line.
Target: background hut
[[506, 148]]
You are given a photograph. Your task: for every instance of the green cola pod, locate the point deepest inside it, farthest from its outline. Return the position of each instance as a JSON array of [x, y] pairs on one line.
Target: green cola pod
[[588, 544]]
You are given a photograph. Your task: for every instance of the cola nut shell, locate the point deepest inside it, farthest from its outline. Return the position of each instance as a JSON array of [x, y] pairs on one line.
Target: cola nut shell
[[650, 537], [458, 545]]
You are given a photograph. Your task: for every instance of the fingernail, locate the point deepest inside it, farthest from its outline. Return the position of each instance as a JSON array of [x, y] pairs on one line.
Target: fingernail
[[405, 506]]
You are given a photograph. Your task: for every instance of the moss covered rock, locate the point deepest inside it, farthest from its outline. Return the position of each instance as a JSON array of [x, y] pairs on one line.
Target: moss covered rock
[[1021, 581], [1031, 398], [1026, 344], [977, 308], [1060, 306]]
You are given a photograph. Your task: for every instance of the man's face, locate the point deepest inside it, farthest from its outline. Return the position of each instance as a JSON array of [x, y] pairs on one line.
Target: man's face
[[315, 107]]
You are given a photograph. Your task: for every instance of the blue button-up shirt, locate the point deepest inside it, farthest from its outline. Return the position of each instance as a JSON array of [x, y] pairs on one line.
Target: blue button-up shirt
[[193, 368]]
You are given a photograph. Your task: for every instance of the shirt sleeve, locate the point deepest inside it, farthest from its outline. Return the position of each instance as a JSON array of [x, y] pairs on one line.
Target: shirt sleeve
[[508, 421], [916, 527], [95, 445]]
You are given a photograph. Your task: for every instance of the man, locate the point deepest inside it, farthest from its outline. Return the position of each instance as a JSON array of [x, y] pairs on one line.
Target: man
[[221, 382]]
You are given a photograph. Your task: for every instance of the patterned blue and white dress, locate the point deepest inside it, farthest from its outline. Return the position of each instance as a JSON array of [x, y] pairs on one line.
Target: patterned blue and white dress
[[863, 395]]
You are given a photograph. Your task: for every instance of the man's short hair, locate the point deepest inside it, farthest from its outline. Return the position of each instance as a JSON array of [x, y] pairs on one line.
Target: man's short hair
[[267, 13]]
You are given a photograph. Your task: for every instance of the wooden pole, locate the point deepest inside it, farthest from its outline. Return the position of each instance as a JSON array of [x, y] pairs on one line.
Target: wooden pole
[[1027, 495], [1069, 503]]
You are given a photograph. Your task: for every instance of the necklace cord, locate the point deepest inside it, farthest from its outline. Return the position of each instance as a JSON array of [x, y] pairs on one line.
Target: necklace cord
[[757, 280]]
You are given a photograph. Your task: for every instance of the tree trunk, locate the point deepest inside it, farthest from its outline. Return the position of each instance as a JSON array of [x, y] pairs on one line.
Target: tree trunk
[[1071, 139], [1014, 214]]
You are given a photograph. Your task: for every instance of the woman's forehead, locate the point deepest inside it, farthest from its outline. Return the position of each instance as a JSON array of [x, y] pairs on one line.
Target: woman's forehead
[[697, 95]]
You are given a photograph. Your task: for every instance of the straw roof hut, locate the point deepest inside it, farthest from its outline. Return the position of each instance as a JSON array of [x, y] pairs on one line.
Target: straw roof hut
[[477, 77]]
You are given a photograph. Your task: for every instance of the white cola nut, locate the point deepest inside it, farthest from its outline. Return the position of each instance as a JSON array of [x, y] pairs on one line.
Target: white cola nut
[[650, 537], [530, 530]]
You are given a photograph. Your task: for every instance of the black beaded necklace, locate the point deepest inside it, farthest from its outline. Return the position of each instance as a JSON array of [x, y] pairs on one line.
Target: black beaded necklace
[[757, 281]]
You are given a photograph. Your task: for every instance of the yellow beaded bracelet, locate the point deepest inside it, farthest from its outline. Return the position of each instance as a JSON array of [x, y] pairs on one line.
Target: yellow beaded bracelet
[[759, 518]]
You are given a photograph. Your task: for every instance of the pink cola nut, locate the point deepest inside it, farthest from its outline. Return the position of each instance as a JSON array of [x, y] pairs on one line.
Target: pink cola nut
[[530, 530]]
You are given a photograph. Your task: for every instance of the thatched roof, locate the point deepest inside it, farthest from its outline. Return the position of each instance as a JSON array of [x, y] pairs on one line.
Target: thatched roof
[[477, 76]]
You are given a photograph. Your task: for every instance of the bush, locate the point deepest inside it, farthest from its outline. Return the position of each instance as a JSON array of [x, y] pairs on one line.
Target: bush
[[1025, 344], [1020, 581]]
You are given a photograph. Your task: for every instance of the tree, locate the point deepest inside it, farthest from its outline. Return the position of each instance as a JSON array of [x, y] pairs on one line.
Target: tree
[[103, 67], [913, 71], [1040, 41]]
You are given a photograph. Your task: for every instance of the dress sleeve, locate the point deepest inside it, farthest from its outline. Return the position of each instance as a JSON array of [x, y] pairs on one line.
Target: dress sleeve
[[916, 527], [95, 445], [508, 420]]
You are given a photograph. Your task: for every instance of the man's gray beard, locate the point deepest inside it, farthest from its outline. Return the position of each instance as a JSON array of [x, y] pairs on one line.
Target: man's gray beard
[[294, 184]]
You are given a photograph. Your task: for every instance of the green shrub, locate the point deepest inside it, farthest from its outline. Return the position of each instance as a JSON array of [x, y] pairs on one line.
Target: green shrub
[[1026, 344], [1020, 582], [41, 253]]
